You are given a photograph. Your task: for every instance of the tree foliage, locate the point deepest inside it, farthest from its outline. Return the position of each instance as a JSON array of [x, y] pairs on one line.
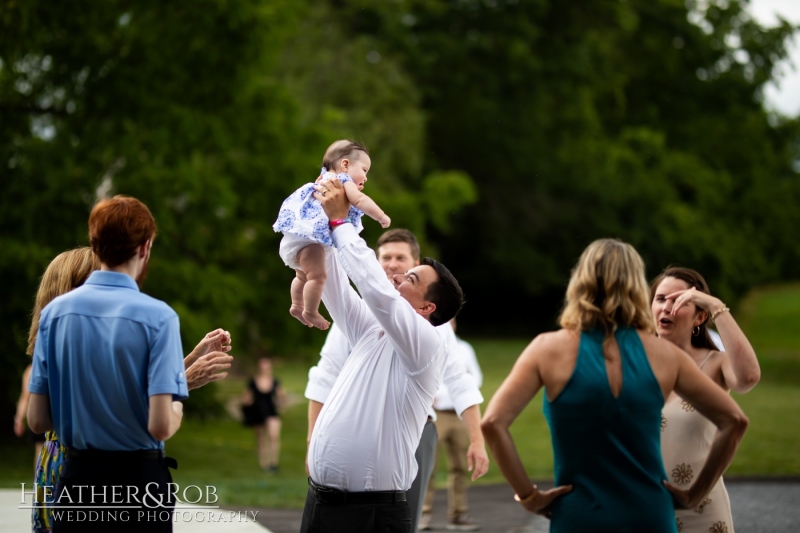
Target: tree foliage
[[637, 119]]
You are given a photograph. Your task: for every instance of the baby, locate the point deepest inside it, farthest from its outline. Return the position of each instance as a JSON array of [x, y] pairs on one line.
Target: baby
[[306, 230]]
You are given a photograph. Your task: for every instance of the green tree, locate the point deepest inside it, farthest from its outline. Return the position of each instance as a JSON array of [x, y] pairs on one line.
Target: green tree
[[640, 120]]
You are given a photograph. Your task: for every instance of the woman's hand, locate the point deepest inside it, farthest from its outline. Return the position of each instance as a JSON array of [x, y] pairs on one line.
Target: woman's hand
[[204, 363], [19, 426], [682, 498], [701, 300], [540, 501], [218, 340], [207, 368]]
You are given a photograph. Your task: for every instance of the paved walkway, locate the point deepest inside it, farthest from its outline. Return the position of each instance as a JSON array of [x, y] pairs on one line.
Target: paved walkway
[[759, 506]]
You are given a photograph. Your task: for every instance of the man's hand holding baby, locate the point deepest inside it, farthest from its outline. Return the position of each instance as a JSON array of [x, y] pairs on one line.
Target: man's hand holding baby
[[333, 199]]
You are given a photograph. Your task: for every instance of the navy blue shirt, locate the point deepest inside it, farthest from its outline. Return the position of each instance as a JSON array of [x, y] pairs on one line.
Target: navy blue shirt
[[101, 351]]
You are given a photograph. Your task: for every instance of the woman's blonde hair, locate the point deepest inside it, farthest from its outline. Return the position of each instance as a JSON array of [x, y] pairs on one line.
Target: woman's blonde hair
[[608, 289], [68, 270]]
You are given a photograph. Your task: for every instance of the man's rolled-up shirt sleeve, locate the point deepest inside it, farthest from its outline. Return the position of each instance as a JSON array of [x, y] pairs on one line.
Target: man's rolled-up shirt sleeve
[[165, 373], [464, 392], [332, 358], [461, 386], [414, 338], [471, 361]]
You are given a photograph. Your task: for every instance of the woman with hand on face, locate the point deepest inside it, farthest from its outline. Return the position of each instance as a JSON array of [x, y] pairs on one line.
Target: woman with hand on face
[[606, 376], [682, 308]]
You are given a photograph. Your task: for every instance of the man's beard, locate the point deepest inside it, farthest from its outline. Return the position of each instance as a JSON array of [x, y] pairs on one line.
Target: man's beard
[[142, 275]]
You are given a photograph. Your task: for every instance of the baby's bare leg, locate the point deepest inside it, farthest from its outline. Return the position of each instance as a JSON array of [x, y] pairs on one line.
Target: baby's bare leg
[[296, 310], [312, 262]]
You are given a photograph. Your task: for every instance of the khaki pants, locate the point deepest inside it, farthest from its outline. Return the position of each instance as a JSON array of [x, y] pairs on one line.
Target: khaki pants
[[453, 436]]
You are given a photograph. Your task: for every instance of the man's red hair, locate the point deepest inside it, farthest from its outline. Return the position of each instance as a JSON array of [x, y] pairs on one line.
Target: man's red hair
[[118, 226]]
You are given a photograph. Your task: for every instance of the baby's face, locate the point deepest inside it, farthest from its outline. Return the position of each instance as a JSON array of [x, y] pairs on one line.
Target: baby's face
[[358, 169]]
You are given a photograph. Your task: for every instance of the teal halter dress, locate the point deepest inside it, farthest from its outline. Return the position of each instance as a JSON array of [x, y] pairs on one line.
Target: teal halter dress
[[609, 448]]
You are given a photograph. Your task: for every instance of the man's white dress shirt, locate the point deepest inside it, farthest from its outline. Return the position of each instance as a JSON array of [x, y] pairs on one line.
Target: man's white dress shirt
[[461, 382], [367, 431]]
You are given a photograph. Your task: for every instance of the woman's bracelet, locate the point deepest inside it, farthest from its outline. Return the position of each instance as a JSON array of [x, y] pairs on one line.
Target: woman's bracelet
[[719, 311], [528, 498]]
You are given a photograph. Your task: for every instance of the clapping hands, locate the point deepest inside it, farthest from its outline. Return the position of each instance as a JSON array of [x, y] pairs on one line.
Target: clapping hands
[[205, 363]]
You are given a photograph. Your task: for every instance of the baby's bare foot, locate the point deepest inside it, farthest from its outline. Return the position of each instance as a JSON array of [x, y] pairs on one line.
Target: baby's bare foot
[[313, 318], [297, 312]]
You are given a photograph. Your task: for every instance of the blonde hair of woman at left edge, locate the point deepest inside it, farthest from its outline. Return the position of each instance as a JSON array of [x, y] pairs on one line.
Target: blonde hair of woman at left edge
[[65, 272]]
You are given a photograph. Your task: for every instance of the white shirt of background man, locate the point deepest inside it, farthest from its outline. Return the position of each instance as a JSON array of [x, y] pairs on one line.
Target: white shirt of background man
[[462, 352]]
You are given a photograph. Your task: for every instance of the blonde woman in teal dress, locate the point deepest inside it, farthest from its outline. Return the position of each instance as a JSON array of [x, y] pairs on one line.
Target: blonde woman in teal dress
[[70, 269], [606, 376], [682, 308]]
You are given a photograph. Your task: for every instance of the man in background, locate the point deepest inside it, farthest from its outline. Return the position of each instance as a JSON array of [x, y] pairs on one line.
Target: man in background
[[455, 438]]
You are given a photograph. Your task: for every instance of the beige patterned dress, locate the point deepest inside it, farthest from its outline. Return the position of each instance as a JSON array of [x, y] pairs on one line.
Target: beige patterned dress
[[686, 437]]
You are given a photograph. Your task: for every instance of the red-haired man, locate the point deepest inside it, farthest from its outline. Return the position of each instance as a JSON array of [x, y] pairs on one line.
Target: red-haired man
[[107, 371]]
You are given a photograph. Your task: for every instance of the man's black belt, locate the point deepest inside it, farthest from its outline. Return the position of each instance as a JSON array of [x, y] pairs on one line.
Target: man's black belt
[[102, 455], [329, 496]]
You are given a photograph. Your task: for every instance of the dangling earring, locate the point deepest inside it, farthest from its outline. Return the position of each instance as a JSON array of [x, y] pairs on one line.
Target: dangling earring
[[696, 331]]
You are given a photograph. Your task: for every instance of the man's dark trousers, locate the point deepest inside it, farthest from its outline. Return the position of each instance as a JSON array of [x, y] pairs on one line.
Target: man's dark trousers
[[320, 517], [146, 479]]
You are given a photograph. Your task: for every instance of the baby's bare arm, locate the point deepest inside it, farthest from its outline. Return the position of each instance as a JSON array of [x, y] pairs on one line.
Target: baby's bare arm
[[365, 203]]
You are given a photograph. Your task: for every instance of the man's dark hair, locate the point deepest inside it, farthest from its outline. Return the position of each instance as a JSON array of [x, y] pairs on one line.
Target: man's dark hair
[[400, 235], [444, 292]]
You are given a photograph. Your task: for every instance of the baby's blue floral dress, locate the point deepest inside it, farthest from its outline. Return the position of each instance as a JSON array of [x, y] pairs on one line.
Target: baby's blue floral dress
[[302, 215]]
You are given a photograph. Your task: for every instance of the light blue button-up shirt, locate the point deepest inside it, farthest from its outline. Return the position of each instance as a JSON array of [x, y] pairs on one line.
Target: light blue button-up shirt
[[102, 350]]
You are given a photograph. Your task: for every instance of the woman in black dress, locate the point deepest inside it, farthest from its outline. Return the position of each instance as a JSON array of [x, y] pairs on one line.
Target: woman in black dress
[[263, 399]]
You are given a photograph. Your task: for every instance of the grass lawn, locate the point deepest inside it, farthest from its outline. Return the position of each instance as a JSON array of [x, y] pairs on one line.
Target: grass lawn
[[222, 453]]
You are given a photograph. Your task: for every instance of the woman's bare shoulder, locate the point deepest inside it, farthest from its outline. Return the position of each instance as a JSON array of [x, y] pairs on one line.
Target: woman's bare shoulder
[[665, 358], [554, 342], [557, 336]]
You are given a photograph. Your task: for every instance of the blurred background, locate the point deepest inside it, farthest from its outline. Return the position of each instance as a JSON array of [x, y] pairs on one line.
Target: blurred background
[[507, 134]]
